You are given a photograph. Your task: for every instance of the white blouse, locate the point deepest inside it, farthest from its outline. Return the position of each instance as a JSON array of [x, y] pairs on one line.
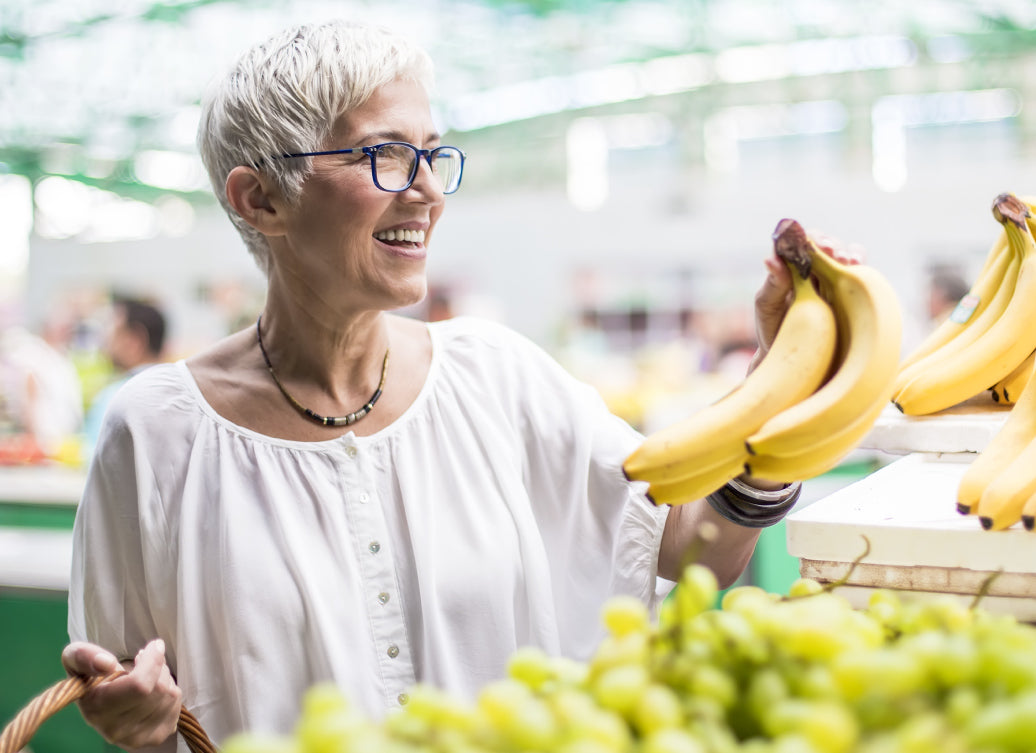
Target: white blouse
[[493, 514]]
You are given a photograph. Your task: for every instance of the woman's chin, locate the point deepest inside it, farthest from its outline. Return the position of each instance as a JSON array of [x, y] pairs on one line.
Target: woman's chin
[[412, 298]]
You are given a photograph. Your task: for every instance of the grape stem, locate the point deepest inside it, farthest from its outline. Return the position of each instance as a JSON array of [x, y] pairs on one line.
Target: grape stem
[[832, 585], [983, 590]]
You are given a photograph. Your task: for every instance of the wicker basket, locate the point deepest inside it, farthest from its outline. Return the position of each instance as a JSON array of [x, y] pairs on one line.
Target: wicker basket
[[19, 732]]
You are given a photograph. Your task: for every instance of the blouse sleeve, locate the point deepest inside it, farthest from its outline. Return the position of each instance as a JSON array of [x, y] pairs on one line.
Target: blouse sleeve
[[116, 518], [601, 532]]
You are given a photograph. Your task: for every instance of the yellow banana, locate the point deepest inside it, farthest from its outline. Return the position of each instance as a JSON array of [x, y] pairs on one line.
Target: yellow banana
[[1029, 514], [1010, 387], [697, 486], [820, 457], [1003, 346], [971, 306], [793, 368], [1003, 501], [1030, 201], [870, 324], [955, 349], [1018, 430]]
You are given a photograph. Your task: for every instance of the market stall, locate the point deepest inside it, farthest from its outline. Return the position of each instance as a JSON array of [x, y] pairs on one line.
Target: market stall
[[904, 517]]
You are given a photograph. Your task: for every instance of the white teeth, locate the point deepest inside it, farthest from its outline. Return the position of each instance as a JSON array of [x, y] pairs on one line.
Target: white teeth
[[413, 236]]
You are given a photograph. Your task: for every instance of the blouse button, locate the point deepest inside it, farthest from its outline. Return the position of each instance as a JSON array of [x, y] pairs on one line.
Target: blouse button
[[374, 547], [383, 597], [351, 451], [403, 699], [363, 497], [393, 651]]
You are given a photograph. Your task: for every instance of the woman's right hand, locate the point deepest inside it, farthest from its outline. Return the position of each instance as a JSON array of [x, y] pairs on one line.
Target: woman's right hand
[[137, 709], [775, 295]]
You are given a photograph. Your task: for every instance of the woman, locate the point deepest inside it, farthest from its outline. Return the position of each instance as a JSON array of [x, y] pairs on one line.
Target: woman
[[469, 499]]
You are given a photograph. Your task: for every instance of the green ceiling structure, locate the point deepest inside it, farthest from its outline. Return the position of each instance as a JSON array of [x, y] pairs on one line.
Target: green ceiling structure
[[87, 86]]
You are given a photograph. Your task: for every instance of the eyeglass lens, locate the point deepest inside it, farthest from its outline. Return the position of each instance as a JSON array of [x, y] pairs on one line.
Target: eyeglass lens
[[395, 166]]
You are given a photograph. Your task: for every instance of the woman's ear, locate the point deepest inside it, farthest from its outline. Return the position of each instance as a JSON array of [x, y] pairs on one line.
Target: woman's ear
[[253, 197]]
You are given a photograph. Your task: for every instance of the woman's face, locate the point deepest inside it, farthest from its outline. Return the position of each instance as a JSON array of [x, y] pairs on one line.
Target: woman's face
[[336, 245]]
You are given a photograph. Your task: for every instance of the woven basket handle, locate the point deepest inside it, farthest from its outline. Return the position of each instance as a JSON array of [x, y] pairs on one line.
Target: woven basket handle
[[19, 732]]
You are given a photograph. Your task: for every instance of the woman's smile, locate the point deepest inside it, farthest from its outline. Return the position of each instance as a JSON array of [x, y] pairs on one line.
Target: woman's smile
[[400, 237], [404, 241]]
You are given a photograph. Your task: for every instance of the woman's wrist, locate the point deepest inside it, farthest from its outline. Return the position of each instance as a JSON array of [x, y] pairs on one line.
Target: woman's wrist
[[752, 507], [762, 484]]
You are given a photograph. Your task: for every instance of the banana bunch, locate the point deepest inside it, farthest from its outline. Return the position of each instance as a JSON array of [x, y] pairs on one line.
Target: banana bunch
[[986, 341], [811, 399], [813, 436], [999, 486], [1008, 389]]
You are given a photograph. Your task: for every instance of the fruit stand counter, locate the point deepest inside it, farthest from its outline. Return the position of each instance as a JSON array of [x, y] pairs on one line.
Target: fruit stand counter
[[906, 514], [37, 508], [39, 496]]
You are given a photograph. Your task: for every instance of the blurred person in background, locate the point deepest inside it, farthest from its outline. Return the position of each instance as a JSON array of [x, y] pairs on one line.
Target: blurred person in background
[[337, 492], [945, 289], [135, 340], [41, 397]]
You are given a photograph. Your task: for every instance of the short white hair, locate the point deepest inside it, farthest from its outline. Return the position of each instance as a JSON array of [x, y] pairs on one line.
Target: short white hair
[[284, 95]]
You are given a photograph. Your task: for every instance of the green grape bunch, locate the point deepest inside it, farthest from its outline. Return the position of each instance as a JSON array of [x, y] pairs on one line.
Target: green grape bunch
[[747, 671]]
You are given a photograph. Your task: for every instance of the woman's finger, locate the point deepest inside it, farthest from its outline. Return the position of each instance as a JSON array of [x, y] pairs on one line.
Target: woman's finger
[[771, 301], [88, 660], [846, 253]]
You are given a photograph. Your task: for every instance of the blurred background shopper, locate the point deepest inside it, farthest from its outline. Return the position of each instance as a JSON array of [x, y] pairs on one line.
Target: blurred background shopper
[[135, 340]]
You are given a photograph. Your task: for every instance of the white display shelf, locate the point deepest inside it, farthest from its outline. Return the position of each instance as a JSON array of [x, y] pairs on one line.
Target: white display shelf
[[967, 427], [35, 559], [906, 512], [41, 484]]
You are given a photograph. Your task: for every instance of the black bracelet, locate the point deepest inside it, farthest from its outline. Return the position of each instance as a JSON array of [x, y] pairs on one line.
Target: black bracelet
[[753, 508]]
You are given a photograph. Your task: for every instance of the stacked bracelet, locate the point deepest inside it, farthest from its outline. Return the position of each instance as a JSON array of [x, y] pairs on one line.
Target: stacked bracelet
[[753, 508]]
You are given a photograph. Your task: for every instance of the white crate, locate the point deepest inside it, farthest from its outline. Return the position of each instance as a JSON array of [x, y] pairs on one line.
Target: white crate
[[967, 427], [906, 513]]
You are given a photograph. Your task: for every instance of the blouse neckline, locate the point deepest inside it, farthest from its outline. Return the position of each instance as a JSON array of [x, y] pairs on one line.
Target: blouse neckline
[[348, 437]]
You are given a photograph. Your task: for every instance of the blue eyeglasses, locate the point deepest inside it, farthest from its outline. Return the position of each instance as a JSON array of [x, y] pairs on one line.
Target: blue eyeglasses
[[394, 164]]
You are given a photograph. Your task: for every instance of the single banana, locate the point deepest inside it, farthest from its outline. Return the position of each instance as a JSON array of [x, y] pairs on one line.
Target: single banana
[[1003, 501], [695, 487], [971, 306], [1002, 347], [795, 365], [818, 458], [1017, 431], [870, 324], [1010, 387], [1029, 514], [954, 350]]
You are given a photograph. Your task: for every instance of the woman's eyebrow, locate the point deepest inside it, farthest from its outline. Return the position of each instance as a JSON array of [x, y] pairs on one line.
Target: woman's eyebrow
[[378, 137]]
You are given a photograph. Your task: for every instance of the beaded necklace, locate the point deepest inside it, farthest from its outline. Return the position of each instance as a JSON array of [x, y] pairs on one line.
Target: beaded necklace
[[325, 420]]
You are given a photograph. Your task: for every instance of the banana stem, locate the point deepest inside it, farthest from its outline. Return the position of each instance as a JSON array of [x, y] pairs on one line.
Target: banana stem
[[792, 246], [1009, 208]]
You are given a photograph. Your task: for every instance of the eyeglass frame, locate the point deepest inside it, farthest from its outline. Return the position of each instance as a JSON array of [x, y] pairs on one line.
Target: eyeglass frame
[[372, 152]]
